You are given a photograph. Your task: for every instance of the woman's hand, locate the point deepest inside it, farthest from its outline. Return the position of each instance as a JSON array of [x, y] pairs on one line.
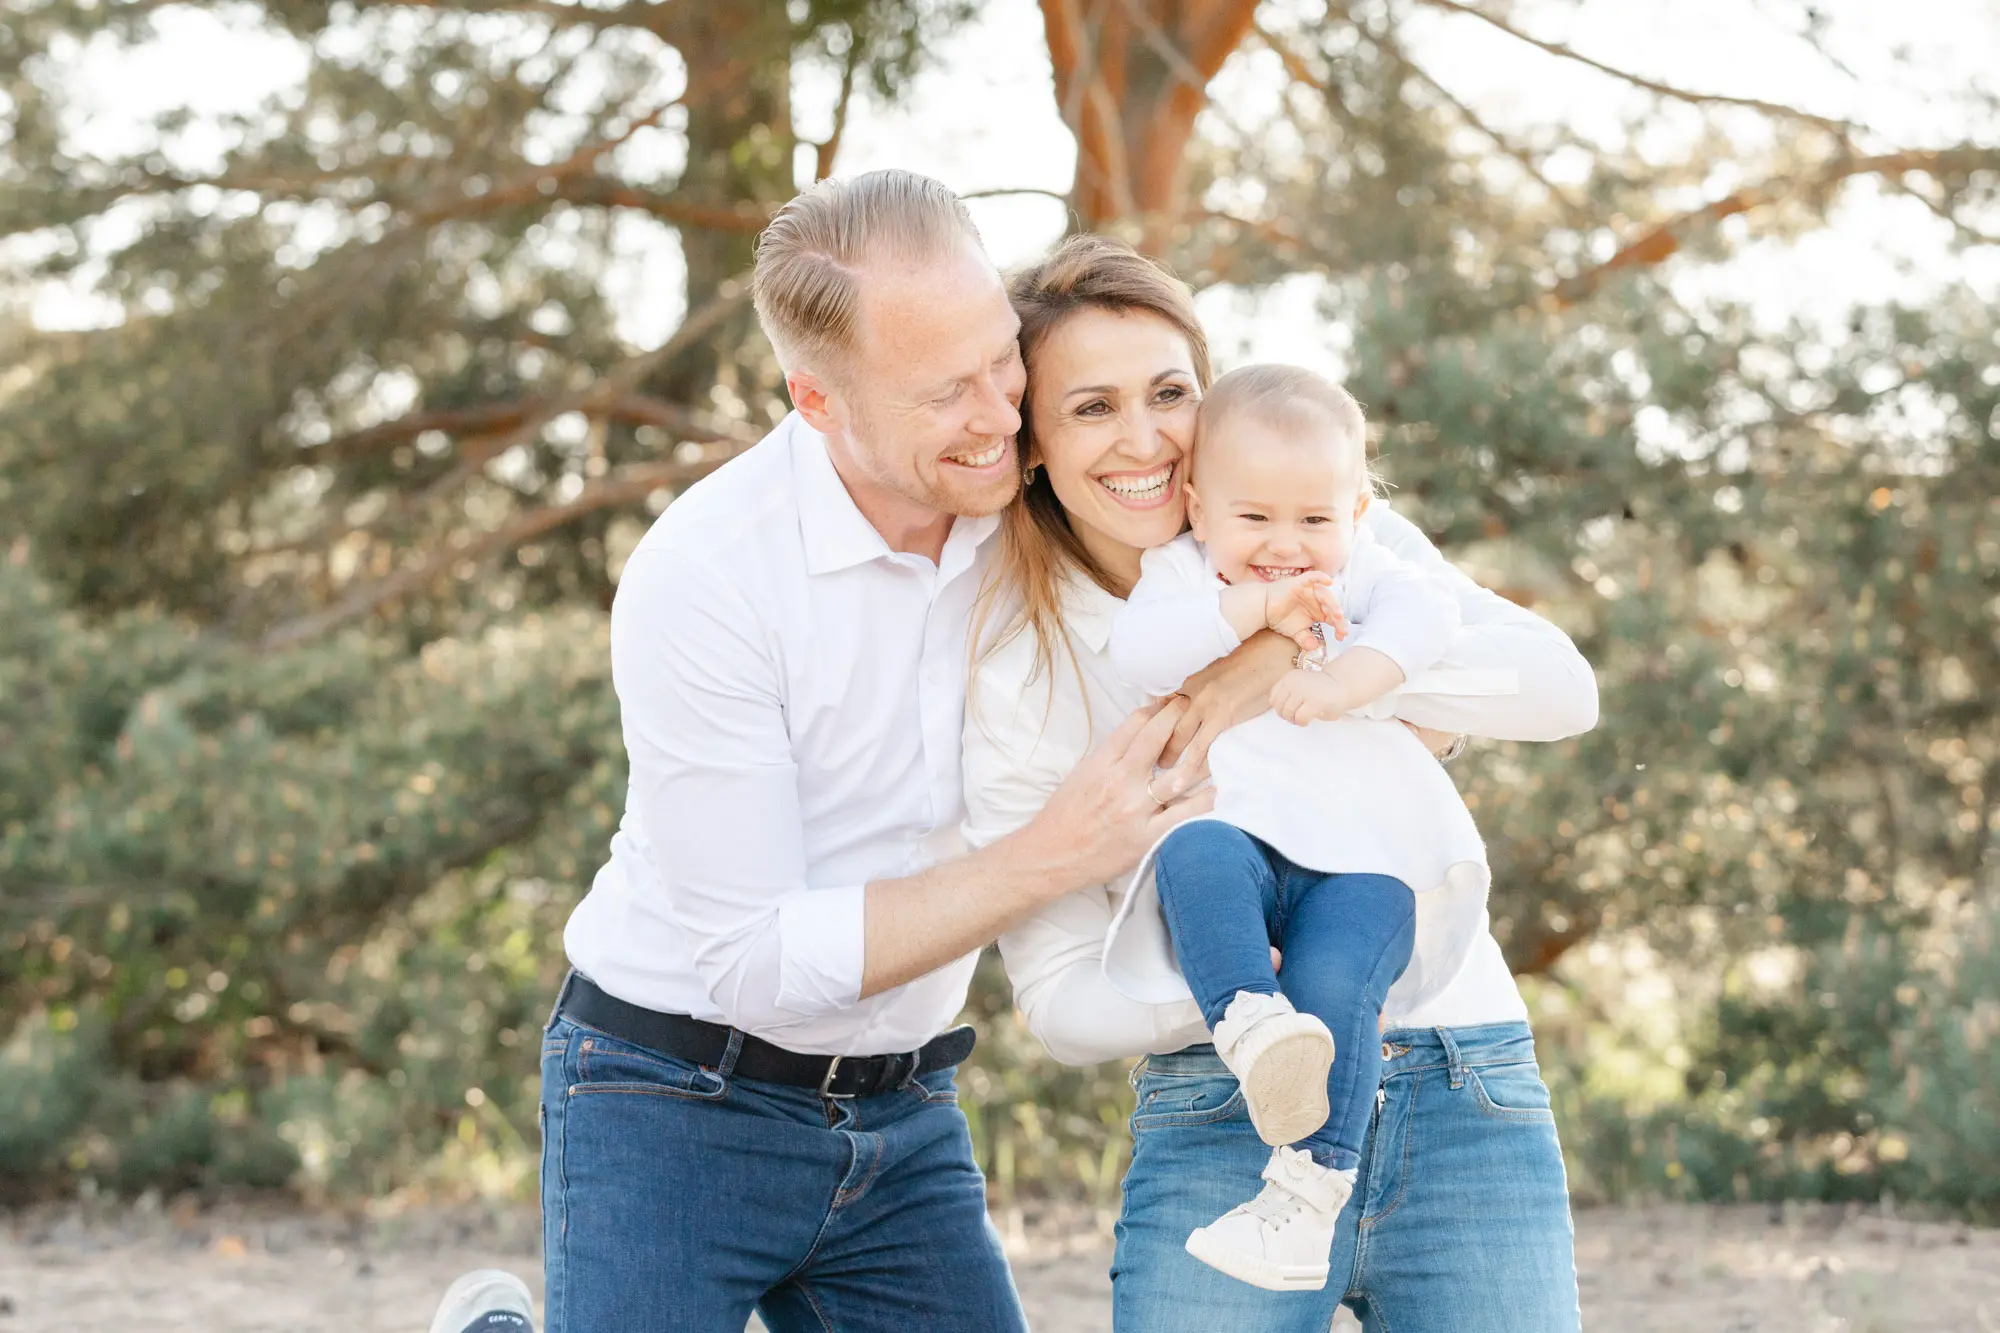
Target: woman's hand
[[1220, 695]]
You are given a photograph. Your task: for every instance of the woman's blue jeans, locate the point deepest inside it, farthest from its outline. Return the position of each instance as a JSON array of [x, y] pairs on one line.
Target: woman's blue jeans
[[1460, 1219], [1228, 897]]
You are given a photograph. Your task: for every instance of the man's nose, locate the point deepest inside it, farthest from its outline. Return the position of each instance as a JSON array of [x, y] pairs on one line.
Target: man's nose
[[993, 414]]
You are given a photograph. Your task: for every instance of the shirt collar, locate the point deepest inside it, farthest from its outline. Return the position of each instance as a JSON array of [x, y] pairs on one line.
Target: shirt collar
[[836, 534], [1088, 610]]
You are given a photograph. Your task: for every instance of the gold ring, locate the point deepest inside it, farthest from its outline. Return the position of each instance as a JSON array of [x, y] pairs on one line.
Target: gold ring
[[1150, 792]]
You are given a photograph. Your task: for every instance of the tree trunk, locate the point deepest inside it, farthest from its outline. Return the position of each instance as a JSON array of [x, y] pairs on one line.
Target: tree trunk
[[739, 147], [1131, 76]]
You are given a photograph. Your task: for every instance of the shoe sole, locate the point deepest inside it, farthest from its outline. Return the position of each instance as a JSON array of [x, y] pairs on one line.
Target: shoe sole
[[1257, 1272], [1284, 1078], [495, 1285]]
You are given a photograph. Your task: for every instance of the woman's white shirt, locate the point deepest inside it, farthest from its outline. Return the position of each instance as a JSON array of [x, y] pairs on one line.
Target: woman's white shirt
[[1026, 728]]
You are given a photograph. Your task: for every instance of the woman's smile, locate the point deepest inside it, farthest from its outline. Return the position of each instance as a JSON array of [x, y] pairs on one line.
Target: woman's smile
[[1149, 489]]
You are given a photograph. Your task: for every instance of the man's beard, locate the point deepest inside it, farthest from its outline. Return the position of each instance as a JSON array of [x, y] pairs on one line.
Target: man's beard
[[970, 497]]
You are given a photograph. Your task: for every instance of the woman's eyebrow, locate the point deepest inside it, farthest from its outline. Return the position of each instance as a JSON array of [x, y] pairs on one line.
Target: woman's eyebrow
[[1173, 373]]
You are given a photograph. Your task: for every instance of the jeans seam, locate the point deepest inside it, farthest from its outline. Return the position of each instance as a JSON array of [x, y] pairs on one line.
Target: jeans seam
[[1536, 1115], [797, 1271], [558, 1317], [1403, 1172], [818, 1313], [641, 1090], [1168, 1119], [843, 1195]]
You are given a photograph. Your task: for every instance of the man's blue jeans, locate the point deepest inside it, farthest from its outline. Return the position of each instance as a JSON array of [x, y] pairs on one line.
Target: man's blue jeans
[[1460, 1219], [675, 1199], [1228, 897]]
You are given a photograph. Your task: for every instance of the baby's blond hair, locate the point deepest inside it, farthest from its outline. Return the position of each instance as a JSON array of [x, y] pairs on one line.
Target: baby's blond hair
[[1290, 399]]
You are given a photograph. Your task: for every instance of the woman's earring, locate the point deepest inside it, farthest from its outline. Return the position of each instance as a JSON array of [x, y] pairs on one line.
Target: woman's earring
[[1028, 475]]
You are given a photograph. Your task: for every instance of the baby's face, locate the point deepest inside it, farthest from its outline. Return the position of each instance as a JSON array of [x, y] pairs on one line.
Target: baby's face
[[1269, 503]]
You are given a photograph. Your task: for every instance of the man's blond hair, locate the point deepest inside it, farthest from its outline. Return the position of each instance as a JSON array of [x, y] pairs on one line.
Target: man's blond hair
[[807, 280]]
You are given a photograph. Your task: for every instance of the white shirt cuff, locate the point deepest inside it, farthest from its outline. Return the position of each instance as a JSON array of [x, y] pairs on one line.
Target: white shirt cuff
[[822, 948]]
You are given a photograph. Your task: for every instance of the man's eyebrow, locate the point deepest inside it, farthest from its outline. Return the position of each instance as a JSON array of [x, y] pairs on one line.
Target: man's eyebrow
[[1170, 373]]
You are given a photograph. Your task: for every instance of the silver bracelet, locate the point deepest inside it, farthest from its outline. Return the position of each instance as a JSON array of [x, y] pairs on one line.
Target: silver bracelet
[[1455, 749], [1312, 659]]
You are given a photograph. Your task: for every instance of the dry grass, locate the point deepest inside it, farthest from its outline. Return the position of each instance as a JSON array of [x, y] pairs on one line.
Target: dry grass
[[237, 1269]]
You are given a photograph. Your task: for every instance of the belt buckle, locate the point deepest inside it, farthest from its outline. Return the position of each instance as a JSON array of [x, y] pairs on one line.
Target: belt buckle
[[826, 1084]]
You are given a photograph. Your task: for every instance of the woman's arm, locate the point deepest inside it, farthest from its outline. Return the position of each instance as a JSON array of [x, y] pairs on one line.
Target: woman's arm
[[1022, 734], [1546, 690]]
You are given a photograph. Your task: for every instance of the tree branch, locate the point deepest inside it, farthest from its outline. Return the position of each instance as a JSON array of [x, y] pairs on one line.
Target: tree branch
[[1663, 240], [1840, 129], [621, 486]]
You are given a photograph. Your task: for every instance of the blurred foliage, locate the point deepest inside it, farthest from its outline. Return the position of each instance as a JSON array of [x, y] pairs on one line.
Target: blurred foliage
[[306, 741]]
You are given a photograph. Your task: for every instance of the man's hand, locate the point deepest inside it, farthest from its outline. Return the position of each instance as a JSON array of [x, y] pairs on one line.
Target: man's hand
[[1293, 606], [1109, 811], [1224, 693], [1300, 697]]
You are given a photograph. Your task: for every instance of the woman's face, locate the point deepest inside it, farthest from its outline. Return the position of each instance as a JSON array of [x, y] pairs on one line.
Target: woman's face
[[1112, 397]]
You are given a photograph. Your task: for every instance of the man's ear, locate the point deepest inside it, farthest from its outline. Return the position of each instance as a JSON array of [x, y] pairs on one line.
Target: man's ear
[[1195, 522], [815, 400]]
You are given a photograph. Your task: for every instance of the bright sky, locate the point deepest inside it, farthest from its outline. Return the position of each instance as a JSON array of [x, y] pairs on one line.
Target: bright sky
[[984, 117]]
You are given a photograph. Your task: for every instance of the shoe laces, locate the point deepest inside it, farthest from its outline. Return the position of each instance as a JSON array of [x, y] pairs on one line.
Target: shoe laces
[[1275, 1204]]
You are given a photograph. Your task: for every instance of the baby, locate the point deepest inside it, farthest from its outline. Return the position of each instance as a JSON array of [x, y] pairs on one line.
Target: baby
[[1336, 837]]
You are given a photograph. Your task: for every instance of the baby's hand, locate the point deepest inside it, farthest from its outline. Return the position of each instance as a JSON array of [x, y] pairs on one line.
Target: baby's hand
[[1302, 696], [1293, 606]]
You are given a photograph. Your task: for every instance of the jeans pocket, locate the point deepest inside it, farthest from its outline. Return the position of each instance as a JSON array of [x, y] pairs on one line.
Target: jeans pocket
[[607, 1065], [1166, 1101], [1511, 1092], [938, 1088]]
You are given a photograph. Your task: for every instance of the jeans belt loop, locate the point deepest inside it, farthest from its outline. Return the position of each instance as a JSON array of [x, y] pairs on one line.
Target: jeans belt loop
[[1453, 1057], [727, 1064]]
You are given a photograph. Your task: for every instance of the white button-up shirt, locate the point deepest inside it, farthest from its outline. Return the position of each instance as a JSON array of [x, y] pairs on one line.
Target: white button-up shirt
[[1357, 795], [792, 695], [1025, 729]]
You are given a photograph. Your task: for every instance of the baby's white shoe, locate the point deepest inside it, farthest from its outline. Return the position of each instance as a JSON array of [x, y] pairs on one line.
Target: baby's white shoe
[[1280, 1239], [1281, 1057]]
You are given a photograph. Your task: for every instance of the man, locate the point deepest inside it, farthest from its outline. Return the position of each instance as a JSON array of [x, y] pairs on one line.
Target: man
[[747, 1088]]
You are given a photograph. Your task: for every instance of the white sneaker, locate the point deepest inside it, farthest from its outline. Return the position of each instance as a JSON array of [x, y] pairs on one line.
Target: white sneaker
[[1280, 1239], [482, 1293], [1281, 1057]]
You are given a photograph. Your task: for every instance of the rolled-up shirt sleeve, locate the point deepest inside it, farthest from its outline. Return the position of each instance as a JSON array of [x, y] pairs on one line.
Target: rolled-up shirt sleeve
[[1507, 674], [715, 789]]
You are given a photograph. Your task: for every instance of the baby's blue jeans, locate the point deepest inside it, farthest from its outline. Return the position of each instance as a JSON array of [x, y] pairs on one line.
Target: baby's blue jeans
[[1228, 897]]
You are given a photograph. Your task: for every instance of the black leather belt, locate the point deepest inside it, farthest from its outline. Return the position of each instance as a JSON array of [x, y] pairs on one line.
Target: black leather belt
[[838, 1076]]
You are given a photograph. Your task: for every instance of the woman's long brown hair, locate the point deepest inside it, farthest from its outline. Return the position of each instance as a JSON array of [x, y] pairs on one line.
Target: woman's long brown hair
[[1039, 549]]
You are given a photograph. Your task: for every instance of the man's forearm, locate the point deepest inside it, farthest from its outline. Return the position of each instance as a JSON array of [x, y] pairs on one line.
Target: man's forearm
[[919, 923]]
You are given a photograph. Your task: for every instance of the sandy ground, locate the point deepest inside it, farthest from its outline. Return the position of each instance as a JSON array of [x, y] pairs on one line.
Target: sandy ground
[[236, 1269]]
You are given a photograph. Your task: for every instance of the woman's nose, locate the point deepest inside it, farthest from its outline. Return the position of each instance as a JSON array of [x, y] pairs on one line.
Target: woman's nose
[[1141, 440]]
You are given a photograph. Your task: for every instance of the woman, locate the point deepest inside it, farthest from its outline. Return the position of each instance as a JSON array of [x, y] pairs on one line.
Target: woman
[[1461, 1219]]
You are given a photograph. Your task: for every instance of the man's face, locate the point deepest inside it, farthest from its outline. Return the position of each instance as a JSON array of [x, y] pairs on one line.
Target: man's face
[[929, 398]]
